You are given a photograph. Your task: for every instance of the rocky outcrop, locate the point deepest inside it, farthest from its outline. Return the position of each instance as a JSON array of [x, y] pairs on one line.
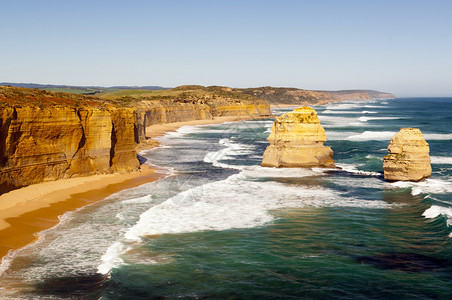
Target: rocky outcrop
[[409, 159], [297, 140]]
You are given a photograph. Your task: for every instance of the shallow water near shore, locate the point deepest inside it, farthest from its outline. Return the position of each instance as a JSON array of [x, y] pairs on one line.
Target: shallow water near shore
[[220, 226]]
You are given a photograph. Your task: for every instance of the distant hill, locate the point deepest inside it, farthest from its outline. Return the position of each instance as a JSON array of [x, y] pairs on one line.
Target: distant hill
[[85, 90], [294, 96]]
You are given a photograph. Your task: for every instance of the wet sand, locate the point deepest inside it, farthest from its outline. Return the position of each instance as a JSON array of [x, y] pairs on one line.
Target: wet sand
[[27, 211]]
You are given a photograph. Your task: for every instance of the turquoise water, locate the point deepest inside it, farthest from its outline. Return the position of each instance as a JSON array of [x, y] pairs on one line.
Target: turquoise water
[[219, 226]]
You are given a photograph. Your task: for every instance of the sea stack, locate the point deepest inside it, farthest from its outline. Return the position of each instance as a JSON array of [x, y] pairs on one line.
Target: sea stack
[[297, 140], [409, 159]]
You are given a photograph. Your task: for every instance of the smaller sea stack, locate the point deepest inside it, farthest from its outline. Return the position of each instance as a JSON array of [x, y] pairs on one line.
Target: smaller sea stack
[[409, 159], [297, 140]]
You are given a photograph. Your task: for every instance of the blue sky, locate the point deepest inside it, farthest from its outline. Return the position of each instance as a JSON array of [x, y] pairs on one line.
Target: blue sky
[[404, 47]]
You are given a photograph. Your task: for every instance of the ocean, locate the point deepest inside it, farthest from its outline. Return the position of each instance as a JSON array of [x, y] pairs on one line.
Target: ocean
[[219, 226]]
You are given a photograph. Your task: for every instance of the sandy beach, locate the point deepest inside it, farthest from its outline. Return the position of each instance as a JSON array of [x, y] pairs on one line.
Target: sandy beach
[[25, 212]]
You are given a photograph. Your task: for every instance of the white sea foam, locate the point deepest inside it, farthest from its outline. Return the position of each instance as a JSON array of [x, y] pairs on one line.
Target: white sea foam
[[338, 135], [345, 112], [435, 211], [336, 121], [428, 186], [231, 150], [144, 199], [341, 106], [369, 112], [233, 203], [112, 258], [444, 160], [372, 135], [374, 106], [365, 119], [359, 136], [353, 169], [438, 136], [371, 156], [266, 172], [183, 131]]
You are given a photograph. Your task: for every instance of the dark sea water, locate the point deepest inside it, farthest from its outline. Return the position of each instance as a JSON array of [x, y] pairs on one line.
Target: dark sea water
[[219, 226]]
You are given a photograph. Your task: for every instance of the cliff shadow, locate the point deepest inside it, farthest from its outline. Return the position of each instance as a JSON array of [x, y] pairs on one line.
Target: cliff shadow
[[141, 159]]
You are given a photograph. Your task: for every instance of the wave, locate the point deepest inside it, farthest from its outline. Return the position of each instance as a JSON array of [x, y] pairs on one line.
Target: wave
[[112, 258], [353, 169], [438, 136], [345, 112], [242, 200], [202, 128], [144, 199], [368, 112], [382, 136], [339, 106], [228, 153], [374, 106], [435, 211], [443, 160], [360, 136], [365, 119], [335, 121], [233, 203], [372, 135], [428, 186]]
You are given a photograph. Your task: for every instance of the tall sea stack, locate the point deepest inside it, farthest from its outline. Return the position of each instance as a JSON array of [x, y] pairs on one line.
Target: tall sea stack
[[297, 140], [409, 159]]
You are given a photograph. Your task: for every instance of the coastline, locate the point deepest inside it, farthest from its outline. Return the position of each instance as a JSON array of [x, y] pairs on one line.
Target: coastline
[[29, 210]]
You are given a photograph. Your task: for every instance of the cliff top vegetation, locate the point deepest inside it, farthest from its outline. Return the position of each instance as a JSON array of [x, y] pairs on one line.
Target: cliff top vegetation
[[185, 93], [37, 97]]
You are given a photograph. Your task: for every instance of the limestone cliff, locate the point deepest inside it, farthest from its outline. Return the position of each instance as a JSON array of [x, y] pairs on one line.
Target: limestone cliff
[[297, 140], [48, 136], [39, 144], [186, 103], [409, 159]]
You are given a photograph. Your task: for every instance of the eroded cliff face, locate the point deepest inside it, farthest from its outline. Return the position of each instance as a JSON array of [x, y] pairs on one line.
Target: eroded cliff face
[[162, 112], [297, 140], [409, 159], [47, 136], [42, 144]]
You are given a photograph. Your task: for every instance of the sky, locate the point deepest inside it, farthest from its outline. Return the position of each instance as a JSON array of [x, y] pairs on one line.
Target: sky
[[398, 46]]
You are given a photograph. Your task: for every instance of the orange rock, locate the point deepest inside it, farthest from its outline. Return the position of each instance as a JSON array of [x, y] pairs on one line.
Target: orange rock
[[409, 159], [297, 140]]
